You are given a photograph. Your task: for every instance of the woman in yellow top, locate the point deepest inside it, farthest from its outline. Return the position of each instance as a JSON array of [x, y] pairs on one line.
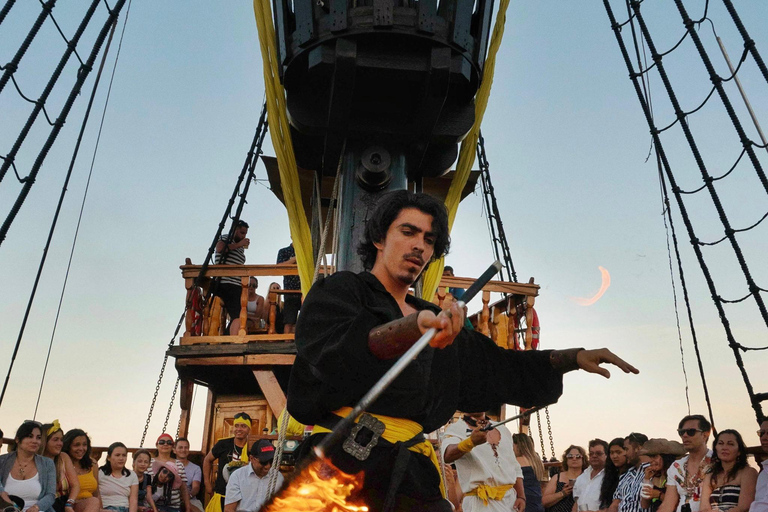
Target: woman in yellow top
[[77, 445]]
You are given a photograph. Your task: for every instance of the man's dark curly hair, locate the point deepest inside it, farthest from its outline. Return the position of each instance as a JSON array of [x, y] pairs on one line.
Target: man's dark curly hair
[[386, 211]]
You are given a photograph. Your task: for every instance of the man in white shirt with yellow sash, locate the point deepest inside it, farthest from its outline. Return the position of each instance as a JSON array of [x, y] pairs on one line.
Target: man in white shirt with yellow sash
[[489, 474]]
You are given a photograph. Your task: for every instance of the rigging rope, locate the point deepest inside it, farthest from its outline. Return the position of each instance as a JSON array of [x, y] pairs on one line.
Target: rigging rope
[[748, 42], [248, 168], [61, 200], [11, 156], [468, 146], [281, 141], [97, 47], [13, 65], [498, 236], [670, 176], [82, 74], [6, 8]]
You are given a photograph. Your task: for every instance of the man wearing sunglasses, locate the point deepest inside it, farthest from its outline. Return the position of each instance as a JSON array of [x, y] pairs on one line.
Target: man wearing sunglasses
[[761, 491], [247, 487], [684, 476]]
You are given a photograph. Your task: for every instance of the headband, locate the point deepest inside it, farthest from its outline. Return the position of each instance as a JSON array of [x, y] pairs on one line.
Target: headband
[[242, 421], [55, 427]]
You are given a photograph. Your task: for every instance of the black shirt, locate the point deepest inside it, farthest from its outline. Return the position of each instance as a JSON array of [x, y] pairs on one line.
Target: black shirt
[[226, 451], [334, 367]]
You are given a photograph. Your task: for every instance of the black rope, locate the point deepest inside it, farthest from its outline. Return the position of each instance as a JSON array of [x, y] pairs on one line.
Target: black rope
[[697, 155], [742, 230], [97, 47], [56, 217], [749, 44], [6, 8], [61, 33], [717, 178], [717, 82], [13, 65], [82, 74], [11, 156], [686, 220], [494, 217], [249, 168]]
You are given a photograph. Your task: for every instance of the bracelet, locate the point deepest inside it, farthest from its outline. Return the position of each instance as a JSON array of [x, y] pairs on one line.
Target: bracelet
[[466, 445], [522, 498], [70, 501]]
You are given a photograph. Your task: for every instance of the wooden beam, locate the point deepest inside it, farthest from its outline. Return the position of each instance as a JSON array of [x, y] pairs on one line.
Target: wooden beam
[[248, 338], [250, 360], [191, 271], [271, 389], [492, 286]]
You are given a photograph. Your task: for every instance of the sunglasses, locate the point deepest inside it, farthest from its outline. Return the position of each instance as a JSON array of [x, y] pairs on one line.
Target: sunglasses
[[761, 433], [165, 441], [573, 456], [690, 432]]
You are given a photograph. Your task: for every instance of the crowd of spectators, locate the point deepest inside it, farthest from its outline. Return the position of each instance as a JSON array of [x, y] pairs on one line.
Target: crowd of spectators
[[48, 470]]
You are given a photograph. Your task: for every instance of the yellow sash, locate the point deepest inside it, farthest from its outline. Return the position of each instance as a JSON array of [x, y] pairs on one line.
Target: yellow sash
[[397, 429], [214, 505], [490, 492]]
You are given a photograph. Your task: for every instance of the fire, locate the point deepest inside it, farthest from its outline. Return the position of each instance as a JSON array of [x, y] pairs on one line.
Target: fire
[[320, 487], [606, 282]]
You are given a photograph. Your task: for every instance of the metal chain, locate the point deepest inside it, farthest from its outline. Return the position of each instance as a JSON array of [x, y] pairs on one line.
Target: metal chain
[[154, 399], [170, 405], [549, 430], [541, 437]]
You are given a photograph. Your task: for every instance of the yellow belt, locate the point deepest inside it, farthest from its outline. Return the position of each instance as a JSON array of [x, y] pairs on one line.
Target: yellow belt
[[490, 492], [397, 430]]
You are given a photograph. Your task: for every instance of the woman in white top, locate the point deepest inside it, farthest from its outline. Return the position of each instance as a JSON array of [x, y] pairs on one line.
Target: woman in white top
[[118, 486], [27, 475], [257, 307]]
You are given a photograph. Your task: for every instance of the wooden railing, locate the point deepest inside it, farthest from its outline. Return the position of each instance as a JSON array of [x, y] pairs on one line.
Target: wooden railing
[[520, 297], [213, 315]]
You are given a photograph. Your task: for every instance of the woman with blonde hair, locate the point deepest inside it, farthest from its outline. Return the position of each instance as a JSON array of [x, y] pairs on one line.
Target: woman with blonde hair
[[67, 483], [533, 471], [558, 496]]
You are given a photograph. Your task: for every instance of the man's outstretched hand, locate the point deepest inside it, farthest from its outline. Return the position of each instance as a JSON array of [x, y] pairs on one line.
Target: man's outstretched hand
[[448, 324], [590, 361]]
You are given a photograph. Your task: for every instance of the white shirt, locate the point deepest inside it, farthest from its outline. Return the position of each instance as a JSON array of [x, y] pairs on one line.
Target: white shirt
[[586, 490], [249, 489], [482, 467], [116, 491], [676, 478], [761, 491], [28, 490]]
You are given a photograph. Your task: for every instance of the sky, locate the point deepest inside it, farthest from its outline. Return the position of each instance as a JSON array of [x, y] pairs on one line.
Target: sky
[[567, 144]]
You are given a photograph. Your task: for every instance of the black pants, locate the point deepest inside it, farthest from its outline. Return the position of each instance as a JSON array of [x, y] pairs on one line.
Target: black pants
[[419, 489]]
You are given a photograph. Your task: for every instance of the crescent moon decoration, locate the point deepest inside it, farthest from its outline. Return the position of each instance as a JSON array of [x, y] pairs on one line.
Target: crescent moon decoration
[[582, 301]]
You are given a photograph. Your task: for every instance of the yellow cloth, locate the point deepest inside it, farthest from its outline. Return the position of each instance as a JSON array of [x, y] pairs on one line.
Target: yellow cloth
[[468, 146], [466, 445], [88, 485], [55, 427], [294, 428], [214, 505], [397, 429], [488, 492], [242, 421], [280, 132], [244, 453]]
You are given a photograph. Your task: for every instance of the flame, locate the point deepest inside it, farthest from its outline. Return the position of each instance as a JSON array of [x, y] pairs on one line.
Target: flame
[[320, 487], [606, 282]]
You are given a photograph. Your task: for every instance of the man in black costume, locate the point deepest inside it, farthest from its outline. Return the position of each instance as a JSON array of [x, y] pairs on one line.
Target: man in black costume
[[344, 348]]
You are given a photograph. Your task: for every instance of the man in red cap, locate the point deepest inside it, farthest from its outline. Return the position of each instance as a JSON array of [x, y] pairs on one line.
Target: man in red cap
[[247, 487]]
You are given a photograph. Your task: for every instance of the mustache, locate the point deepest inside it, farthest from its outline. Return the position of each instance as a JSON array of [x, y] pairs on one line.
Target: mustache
[[415, 255]]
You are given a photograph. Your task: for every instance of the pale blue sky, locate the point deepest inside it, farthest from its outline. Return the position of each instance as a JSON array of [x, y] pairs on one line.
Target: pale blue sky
[[566, 140]]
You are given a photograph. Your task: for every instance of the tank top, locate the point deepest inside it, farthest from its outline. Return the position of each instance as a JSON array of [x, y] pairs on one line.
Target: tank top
[[28, 490], [565, 504], [725, 497], [88, 485]]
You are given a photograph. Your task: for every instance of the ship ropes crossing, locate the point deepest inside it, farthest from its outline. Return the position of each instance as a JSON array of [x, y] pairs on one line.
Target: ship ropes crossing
[[351, 373]]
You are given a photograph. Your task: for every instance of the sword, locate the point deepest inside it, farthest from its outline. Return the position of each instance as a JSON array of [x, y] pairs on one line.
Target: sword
[[396, 369], [513, 418]]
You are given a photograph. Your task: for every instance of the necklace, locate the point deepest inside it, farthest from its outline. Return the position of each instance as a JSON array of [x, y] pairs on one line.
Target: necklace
[[22, 469]]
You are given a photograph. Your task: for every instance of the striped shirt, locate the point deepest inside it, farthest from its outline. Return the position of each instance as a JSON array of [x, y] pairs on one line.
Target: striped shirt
[[628, 490], [231, 257]]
